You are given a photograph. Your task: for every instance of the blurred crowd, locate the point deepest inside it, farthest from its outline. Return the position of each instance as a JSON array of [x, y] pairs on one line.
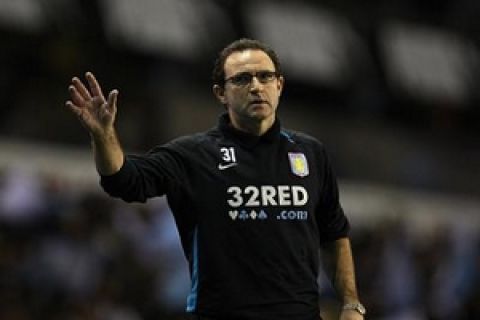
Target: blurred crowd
[[69, 252], [77, 254]]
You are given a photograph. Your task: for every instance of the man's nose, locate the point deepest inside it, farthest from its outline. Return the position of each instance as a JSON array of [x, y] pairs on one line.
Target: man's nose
[[255, 84]]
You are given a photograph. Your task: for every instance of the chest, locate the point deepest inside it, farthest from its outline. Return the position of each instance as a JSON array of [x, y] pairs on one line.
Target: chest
[[273, 182]]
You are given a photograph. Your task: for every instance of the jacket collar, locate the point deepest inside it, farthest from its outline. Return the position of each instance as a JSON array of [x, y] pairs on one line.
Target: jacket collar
[[246, 139]]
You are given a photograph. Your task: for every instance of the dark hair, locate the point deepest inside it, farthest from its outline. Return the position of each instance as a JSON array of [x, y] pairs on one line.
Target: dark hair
[[218, 74]]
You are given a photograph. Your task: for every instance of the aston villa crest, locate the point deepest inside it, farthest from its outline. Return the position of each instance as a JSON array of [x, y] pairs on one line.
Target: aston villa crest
[[298, 164]]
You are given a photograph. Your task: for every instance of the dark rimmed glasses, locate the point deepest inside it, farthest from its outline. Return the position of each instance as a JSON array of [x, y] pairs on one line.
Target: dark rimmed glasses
[[245, 78]]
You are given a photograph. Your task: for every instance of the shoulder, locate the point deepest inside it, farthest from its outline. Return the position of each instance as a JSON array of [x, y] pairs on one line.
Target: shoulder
[[309, 145], [302, 138], [188, 143], [188, 140], [195, 138]]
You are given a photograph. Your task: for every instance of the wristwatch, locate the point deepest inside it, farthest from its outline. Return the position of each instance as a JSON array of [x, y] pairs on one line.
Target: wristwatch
[[355, 306]]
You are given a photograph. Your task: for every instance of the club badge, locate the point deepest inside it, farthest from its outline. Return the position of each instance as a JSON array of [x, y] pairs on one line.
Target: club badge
[[298, 164]]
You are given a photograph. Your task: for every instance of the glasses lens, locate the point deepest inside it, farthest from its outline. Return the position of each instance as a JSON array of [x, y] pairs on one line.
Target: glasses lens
[[242, 79], [266, 76]]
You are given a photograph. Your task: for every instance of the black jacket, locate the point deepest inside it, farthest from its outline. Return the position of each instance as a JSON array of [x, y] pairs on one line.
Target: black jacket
[[251, 213]]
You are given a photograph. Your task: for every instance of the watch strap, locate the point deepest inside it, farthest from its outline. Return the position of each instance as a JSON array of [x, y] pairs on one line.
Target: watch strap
[[356, 307]]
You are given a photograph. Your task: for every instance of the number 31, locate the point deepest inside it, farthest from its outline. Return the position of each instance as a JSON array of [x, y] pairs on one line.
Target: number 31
[[228, 154]]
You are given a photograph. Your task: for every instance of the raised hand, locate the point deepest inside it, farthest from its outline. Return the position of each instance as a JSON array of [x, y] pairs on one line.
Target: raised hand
[[96, 113]]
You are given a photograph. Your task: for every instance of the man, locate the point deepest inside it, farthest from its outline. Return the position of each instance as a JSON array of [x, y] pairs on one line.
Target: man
[[253, 202]]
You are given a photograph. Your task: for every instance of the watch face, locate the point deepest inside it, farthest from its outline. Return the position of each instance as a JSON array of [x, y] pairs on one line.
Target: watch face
[[361, 309]]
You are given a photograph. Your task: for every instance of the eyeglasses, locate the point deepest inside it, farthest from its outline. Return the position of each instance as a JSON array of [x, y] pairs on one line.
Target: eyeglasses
[[245, 78]]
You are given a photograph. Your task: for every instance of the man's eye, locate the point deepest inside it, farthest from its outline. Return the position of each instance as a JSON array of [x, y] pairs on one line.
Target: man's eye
[[266, 76], [263, 76], [242, 78]]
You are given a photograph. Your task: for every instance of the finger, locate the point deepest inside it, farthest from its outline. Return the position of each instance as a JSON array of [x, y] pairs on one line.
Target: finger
[[82, 90], [77, 98], [94, 86], [112, 101], [75, 109]]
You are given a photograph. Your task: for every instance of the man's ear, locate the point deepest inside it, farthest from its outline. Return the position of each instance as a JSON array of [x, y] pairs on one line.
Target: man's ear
[[280, 84], [219, 92]]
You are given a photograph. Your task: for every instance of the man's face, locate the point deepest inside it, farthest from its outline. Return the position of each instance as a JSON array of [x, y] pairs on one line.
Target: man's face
[[256, 99]]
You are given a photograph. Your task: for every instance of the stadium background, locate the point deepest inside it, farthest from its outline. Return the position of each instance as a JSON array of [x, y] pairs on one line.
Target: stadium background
[[392, 89]]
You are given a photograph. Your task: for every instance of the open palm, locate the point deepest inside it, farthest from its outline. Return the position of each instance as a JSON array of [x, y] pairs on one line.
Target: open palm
[[96, 113]]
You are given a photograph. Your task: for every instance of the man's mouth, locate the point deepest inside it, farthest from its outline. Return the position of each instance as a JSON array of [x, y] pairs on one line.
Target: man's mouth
[[258, 101]]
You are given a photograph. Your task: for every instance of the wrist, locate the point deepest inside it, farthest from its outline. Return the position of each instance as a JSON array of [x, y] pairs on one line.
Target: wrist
[[103, 136]]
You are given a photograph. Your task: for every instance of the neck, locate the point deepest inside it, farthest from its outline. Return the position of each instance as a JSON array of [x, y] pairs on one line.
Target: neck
[[252, 126]]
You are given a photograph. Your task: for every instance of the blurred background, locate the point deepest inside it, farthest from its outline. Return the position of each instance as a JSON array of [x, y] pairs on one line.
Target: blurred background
[[391, 88]]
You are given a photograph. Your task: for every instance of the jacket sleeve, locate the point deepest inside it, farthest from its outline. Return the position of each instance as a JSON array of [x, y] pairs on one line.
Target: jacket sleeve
[[145, 176], [332, 222]]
